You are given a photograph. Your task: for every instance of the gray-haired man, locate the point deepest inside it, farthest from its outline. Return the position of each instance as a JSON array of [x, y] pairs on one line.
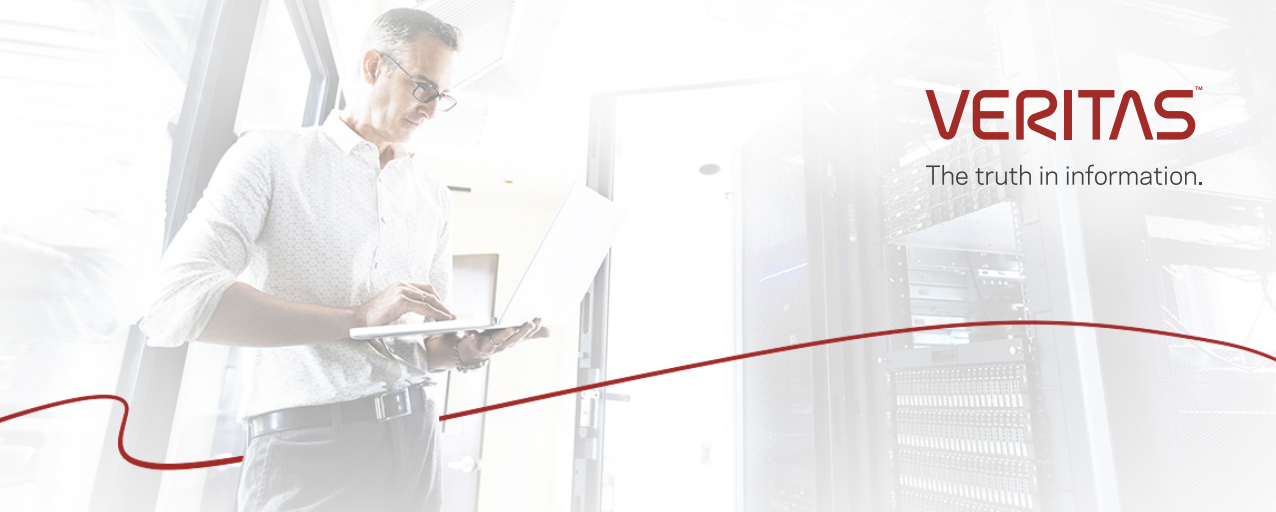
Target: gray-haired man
[[304, 234]]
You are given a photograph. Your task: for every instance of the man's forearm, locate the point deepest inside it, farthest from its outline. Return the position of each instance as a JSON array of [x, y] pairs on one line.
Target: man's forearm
[[442, 351], [248, 317], [438, 351]]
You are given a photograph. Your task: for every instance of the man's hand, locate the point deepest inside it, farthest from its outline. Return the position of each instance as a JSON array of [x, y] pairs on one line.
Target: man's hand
[[405, 297], [475, 347]]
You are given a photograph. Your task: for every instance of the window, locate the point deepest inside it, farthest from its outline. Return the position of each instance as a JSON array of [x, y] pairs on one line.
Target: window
[[84, 158]]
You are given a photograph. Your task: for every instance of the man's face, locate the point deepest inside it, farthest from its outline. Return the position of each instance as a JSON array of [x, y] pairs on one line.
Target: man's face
[[395, 111]]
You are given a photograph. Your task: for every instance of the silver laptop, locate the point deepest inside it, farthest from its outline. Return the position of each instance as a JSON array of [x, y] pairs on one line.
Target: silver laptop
[[560, 273]]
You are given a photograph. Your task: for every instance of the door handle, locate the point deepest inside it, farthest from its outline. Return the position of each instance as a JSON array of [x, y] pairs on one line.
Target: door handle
[[465, 464]]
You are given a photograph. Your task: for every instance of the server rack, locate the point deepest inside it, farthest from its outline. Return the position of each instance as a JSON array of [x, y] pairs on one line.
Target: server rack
[[777, 400], [1056, 418], [989, 418], [1189, 421], [1007, 418]]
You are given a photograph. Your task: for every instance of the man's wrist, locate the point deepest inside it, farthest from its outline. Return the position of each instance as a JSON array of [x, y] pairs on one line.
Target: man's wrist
[[353, 318], [348, 319], [460, 364]]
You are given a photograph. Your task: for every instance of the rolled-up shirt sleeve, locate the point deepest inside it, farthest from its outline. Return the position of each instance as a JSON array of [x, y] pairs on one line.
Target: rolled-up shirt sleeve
[[212, 248]]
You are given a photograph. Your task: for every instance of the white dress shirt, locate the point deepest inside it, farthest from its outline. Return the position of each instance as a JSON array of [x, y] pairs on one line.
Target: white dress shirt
[[308, 215]]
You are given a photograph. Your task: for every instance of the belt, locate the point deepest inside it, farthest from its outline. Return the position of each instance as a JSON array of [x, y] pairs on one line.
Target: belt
[[383, 407]]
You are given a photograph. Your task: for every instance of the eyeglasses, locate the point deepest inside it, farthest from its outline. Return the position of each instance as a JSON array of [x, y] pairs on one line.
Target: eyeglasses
[[425, 92]]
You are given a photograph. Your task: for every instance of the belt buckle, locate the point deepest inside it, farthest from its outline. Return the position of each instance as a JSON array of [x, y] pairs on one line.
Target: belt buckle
[[395, 404]]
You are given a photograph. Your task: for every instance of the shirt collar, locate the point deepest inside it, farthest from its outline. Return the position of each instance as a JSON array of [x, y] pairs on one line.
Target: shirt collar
[[341, 134]]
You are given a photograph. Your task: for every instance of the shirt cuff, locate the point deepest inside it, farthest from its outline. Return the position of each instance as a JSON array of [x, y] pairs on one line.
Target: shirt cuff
[[182, 313]]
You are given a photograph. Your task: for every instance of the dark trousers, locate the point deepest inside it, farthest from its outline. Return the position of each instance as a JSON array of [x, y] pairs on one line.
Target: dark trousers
[[373, 466]]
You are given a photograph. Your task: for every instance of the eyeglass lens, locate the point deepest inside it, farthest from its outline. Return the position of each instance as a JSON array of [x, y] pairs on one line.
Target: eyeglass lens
[[426, 94]]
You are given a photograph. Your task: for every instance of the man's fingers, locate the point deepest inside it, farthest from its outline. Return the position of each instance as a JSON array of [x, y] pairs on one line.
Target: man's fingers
[[434, 302], [421, 291], [508, 337], [531, 328], [502, 338], [432, 311], [420, 297], [421, 286], [429, 310], [523, 332], [537, 331]]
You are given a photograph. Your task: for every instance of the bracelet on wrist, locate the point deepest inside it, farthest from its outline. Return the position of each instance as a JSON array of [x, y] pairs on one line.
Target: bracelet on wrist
[[462, 367]]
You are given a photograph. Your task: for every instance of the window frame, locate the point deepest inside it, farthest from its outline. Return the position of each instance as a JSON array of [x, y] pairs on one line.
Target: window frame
[[150, 377]]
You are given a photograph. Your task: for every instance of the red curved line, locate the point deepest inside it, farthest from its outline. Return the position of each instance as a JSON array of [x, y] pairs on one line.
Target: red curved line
[[757, 353], [511, 403], [123, 421]]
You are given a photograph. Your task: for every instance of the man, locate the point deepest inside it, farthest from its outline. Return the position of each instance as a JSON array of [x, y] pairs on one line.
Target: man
[[304, 234]]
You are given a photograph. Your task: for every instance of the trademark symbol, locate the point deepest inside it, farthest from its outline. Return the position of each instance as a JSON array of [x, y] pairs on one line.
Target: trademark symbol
[[1199, 87]]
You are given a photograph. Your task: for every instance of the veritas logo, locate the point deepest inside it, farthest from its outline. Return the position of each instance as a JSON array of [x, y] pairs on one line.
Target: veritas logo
[[1130, 98]]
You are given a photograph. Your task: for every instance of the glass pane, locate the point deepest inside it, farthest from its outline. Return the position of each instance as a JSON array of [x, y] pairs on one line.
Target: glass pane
[[205, 425], [84, 156], [677, 292], [278, 79]]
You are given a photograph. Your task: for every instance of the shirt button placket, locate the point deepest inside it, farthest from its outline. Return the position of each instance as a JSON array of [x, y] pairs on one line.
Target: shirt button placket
[[381, 228]]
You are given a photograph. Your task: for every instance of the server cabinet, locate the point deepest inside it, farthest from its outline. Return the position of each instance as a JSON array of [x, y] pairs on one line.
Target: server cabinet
[[846, 231], [1049, 418], [984, 418]]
